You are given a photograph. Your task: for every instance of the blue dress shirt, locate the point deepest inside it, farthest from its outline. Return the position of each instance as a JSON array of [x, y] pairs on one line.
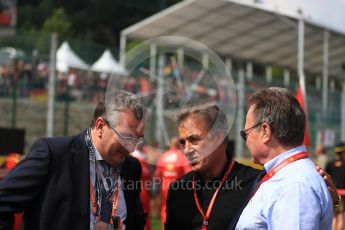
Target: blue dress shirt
[[122, 209], [296, 197]]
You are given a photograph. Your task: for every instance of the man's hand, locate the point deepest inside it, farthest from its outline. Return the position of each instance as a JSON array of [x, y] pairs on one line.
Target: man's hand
[[330, 184]]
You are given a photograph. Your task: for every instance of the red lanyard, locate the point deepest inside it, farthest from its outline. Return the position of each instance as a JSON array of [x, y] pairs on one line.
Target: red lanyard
[[210, 206], [115, 203], [281, 165], [93, 199]]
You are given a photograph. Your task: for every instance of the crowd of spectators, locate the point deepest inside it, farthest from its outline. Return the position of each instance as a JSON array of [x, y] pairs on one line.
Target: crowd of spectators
[[29, 81]]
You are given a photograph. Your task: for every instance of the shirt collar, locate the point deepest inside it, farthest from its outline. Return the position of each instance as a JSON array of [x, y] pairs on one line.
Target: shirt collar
[[97, 154], [281, 157]]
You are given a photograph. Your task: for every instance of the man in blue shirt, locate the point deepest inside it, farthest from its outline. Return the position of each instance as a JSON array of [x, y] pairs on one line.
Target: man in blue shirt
[[292, 195]]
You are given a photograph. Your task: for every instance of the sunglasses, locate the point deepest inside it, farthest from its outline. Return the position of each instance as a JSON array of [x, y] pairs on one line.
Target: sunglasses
[[244, 133]]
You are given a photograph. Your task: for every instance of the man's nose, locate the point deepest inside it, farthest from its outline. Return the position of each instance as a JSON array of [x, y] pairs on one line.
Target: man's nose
[[187, 147]]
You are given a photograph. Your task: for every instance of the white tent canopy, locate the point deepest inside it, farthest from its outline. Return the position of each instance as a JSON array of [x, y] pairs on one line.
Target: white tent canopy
[[66, 58], [107, 64]]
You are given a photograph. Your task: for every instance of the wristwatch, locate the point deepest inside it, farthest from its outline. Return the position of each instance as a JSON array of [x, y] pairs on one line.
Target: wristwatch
[[336, 205]]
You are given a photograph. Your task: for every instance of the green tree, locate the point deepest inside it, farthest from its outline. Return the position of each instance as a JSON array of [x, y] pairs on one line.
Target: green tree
[[98, 21], [58, 22]]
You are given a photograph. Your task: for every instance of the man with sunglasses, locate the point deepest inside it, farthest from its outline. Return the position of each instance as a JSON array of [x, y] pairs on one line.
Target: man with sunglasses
[[292, 195], [87, 181]]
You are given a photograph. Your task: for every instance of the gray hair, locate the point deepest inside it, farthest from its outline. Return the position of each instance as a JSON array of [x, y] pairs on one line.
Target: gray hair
[[117, 102], [214, 117], [281, 110]]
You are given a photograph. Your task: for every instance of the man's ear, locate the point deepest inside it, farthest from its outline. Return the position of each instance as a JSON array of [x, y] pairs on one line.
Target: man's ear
[[99, 126], [220, 136], [265, 133]]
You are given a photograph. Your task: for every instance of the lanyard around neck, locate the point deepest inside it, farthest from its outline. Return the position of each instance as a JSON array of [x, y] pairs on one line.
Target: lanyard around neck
[[96, 205], [272, 172], [210, 206]]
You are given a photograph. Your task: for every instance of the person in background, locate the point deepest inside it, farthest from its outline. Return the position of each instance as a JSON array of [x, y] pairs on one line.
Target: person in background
[[336, 169], [171, 165], [86, 181], [11, 161], [321, 152], [153, 153], [140, 153], [321, 155]]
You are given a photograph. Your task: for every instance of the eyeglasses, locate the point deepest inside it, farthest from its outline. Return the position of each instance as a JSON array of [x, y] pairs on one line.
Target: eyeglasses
[[244, 133], [127, 140]]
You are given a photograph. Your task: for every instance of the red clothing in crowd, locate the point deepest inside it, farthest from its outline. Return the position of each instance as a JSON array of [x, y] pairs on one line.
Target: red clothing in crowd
[[145, 177], [12, 160], [170, 166]]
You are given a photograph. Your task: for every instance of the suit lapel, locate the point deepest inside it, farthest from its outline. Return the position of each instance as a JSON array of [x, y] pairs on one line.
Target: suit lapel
[[82, 164]]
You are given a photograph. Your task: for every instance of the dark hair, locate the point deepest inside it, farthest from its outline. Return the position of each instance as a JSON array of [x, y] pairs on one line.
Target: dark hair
[[281, 110], [118, 101]]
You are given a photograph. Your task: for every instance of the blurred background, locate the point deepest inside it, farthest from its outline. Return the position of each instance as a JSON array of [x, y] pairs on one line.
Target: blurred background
[[56, 59]]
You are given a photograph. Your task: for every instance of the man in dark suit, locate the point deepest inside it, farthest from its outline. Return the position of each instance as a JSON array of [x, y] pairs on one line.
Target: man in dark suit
[[210, 195], [87, 181]]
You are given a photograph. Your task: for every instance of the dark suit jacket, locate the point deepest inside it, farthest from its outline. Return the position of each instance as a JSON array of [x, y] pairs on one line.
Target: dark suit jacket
[[182, 212], [51, 187]]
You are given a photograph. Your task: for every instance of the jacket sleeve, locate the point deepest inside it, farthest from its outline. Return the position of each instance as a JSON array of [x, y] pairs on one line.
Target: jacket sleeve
[[23, 183], [170, 223]]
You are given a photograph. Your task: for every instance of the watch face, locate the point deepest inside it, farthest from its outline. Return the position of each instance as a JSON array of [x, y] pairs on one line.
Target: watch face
[[170, 72]]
